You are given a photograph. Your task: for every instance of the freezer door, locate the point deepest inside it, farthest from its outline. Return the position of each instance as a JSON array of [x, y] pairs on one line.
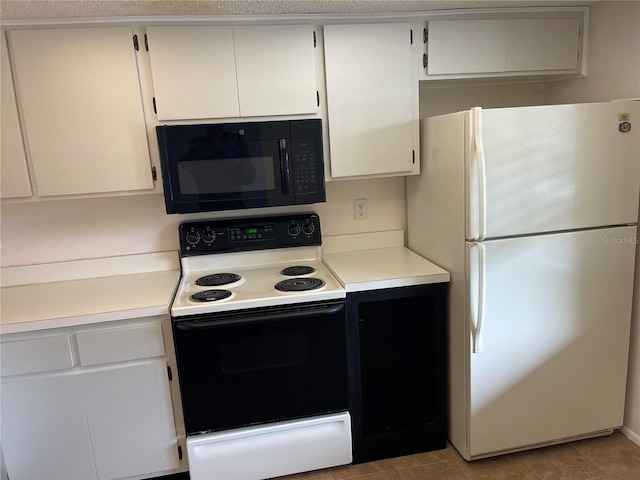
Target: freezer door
[[554, 336], [551, 168]]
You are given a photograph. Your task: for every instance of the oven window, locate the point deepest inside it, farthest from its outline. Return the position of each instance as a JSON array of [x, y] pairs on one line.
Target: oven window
[[226, 175], [267, 352]]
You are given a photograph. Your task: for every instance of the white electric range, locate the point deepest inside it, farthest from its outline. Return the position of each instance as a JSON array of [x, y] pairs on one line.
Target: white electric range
[[252, 279], [259, 325]]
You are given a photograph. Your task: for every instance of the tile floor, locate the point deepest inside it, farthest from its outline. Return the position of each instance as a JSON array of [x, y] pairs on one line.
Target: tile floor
[[614, 457]]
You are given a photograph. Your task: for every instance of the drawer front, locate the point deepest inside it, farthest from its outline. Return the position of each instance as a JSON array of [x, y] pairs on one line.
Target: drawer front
[[35, 355], [120, 344], [275, 449]]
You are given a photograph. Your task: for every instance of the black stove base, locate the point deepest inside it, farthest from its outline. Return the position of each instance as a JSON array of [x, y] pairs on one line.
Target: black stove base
[[397, 371]]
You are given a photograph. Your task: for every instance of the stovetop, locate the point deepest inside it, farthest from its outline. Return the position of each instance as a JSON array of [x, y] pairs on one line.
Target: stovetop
[[267, 261]]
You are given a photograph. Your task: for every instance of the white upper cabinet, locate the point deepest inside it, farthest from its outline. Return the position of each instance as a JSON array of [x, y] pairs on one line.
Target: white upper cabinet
[[276, 69], [15, 175], [504, 45], [544, 44], [466, 46], [372, 99], [82, 110], [194, 73], [239, 71]]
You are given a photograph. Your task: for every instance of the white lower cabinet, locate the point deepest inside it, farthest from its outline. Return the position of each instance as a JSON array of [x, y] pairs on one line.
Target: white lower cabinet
[[88, 420], [130, 420], [44, 430]]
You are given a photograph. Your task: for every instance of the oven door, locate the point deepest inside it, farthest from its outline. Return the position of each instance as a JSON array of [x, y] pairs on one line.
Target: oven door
[[259, 366]]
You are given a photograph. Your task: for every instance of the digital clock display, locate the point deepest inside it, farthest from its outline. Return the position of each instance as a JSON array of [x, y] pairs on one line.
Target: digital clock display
[[250, 234]]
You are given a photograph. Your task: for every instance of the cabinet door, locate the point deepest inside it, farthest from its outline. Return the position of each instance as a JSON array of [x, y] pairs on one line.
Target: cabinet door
[[15, 176], [82, 109], [370, 95], [131, 420], [44, 431], [543, 44], [504, 46], [466, 46], [193, 71], [276, 69]]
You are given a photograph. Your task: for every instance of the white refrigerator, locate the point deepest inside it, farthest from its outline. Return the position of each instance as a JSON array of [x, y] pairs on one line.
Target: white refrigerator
[[533, 211]]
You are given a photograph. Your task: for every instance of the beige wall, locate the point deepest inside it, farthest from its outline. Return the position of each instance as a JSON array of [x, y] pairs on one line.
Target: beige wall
[[440, 100], [613, 73], [60, 230]]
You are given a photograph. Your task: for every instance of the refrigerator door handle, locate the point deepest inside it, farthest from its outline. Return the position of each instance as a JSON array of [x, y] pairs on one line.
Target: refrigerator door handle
[[476, 121], [478, 270]]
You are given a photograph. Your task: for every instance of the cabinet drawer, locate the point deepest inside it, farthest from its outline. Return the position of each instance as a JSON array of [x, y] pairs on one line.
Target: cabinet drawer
[[35, 355], [120, 344]]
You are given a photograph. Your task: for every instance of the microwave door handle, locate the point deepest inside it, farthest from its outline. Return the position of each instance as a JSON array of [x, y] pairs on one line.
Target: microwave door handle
[[285, 168]]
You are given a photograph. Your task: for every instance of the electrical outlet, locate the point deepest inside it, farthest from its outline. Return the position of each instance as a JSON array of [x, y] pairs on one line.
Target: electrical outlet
[[360, 209]]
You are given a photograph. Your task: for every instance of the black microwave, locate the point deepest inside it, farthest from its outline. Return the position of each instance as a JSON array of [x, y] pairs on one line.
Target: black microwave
[[230, 166]]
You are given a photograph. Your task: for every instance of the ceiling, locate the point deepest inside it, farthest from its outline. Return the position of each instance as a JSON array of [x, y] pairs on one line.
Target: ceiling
[[59, 9]]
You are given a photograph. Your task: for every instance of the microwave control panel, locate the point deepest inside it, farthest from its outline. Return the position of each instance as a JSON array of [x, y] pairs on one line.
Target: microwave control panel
[[305, 165]]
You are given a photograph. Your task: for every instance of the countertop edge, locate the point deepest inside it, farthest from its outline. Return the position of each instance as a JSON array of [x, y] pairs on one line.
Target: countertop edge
[[89, 319]]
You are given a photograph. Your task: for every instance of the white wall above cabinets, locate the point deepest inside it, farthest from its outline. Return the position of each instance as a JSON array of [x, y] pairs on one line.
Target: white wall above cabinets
[[15, 175], [372, 99], [79, 94], [97, 405], [484, 45], [232, 71]]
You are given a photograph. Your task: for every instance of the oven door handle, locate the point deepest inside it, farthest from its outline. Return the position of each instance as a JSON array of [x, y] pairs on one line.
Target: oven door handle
[[238, 319]]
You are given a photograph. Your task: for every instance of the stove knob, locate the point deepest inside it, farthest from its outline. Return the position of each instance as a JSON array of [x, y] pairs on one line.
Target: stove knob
[[209, 236], [308, 228], [294, 229], [193, 238]]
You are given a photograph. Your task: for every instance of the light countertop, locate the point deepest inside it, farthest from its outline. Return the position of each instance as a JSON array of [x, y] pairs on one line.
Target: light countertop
[[390, 266], [69, 296], [100, 290]]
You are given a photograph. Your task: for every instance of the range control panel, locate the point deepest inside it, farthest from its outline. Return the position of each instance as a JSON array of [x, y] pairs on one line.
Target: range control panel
[[257, 233]]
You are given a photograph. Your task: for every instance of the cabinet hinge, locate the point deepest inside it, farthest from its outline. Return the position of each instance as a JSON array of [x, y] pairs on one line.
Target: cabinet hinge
[[155, 110], [315, 40], [135, 43], [179, 452], [154, 176], [169, 372], [146, 42]]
